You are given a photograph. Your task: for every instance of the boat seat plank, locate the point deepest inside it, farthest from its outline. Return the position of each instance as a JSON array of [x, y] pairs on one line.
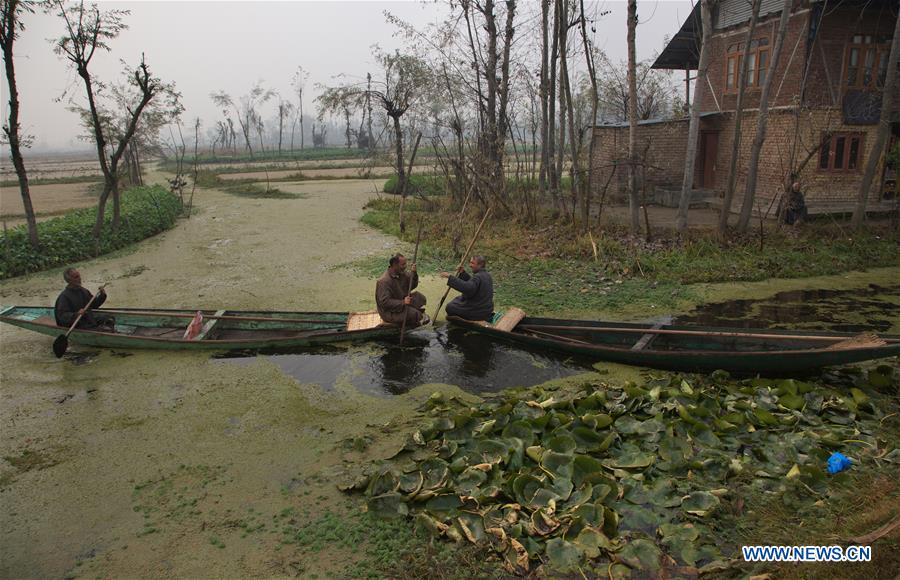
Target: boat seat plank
[[207, 328], [646, 339]]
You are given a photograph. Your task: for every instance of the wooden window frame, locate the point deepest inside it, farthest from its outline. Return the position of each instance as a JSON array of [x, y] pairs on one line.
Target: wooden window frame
[[845, 161], [880, 47], [735, 53]]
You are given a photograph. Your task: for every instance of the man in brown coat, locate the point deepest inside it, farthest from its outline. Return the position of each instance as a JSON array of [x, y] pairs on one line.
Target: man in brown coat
[[393, 297]]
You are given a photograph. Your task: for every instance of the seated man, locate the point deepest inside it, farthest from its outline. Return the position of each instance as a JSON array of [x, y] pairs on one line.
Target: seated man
[[796, 209], [73, 300], [394, 298], [477, 300]]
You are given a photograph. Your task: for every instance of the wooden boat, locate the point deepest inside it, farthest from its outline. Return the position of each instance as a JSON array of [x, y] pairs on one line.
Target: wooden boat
[[693, 348], [222, 329]]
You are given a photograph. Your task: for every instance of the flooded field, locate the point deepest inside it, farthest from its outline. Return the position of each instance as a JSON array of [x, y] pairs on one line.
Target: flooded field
[[148, 464], [48, 200]]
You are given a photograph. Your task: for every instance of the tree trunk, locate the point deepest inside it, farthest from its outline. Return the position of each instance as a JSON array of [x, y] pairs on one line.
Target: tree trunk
[[739, 116], [884, 129], [690, 158], [401, 171], [544, 94], [566, 89], [588, 183], [12, 129], [633, 201], [763, 120], [552, 174], [300, 97]]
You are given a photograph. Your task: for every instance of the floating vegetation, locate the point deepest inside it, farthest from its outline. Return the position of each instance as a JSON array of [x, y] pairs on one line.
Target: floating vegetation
[[630, 477]]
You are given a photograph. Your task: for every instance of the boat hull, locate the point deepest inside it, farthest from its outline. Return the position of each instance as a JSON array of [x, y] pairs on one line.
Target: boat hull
[[694, 353], [163, 329]]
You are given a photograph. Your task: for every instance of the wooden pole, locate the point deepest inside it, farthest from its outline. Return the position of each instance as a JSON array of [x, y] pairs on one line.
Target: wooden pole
[[462, 261], [409, 286], [213, 317]]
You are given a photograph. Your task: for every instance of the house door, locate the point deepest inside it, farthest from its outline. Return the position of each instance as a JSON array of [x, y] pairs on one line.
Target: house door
[[709, 149]]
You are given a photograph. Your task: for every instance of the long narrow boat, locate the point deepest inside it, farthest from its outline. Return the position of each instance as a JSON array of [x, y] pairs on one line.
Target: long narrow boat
[[222, 329], [693, 348]]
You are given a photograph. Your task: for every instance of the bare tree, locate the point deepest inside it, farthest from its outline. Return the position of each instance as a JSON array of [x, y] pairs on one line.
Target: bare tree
[[285, 108], [247, 114], [690, 158], [884, 129], [342, 100], [11, 25], [654, 90], [762, 120], [299, 83], [738, 119], [87, 30], [633, 203]]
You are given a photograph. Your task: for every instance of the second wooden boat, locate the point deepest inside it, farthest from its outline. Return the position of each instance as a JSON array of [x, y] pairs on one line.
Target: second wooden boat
[[691, 348]]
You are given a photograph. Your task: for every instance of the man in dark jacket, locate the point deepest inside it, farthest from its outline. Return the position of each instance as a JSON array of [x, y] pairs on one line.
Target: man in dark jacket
[[393, 295], [477, 300], [73, 300]]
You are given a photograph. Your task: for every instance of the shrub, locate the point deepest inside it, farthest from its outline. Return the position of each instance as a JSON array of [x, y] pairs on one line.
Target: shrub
[[418, 185], [145, 211]]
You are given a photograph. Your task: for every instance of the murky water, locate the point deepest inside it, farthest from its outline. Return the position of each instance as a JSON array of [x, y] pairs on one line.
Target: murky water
[[873, 308], [479, 364], [470, 360]]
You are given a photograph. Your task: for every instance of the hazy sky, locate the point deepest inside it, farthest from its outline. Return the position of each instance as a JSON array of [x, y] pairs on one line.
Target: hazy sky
[[209, 46]]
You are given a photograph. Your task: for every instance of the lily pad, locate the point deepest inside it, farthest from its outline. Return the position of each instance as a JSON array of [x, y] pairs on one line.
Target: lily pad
[[700, 503], [564, 556]]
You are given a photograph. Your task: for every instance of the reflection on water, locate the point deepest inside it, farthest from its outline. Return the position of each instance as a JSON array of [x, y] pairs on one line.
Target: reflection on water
[[875, 308], [449, 355]]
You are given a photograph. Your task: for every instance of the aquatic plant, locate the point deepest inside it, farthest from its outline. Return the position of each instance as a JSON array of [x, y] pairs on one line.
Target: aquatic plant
[[629, 477]]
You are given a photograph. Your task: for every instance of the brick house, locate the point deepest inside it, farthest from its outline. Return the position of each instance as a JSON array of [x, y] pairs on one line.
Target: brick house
[[824, 106]]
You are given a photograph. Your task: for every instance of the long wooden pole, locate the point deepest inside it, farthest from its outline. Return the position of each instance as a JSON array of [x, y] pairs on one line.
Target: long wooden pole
[[462, 261], [713, 333], [409, 286]]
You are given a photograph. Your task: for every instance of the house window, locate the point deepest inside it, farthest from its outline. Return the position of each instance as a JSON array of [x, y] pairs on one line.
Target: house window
[[757, 64], [866, 61], [842, 153]]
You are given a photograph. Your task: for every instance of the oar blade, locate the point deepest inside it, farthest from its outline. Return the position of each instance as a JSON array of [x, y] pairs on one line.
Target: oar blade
[[60, 345]]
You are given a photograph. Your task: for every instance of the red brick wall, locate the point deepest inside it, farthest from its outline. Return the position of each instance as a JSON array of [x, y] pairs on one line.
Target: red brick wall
[[787, 75], [825, 78], [668, 145], [661, 146]]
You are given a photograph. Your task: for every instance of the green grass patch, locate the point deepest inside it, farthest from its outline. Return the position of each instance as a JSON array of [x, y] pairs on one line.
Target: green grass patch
[[54, 180], [418, 185], [145, 212], [243, 188], [388, 548], [549, 267]]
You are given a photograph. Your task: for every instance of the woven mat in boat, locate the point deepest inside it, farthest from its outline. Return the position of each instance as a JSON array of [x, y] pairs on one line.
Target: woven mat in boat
[[364, 320], [864, 340], [510, 319]]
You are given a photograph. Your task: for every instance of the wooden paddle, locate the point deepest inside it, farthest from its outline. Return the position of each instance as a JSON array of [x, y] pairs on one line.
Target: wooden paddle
[[462, 262], [409, 286], [61, 344]]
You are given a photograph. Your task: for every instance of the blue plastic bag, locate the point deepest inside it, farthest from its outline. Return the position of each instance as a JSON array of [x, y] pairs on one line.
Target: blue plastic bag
[[838, 462]]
